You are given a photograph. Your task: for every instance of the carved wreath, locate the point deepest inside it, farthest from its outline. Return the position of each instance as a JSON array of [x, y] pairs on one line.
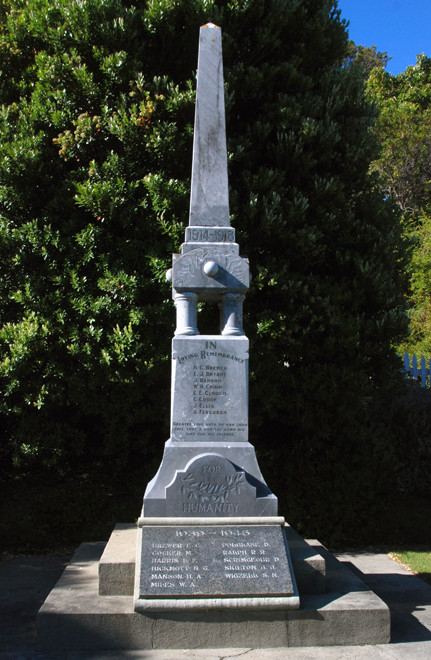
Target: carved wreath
[[203, 492]]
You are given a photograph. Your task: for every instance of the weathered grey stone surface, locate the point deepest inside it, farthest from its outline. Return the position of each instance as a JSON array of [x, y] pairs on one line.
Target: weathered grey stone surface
[[209, 389], [209, 267], [308, 564], [75, 617], [209, 414], [232, 274], [210, 486], [209, 200], [215, 561], [201, 236], [215, 564], [177, 455], [117, 564]]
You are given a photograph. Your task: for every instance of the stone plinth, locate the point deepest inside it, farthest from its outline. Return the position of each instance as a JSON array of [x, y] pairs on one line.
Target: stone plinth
[[76, 617]]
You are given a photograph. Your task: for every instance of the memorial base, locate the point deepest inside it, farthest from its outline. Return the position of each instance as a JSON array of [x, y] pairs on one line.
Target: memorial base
[[92, 607]]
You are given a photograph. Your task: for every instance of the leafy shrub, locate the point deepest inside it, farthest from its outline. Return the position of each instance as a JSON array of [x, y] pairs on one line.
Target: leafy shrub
[[96, 139]]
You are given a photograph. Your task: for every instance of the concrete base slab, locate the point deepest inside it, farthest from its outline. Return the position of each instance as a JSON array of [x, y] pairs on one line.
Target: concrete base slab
[[75, 617]]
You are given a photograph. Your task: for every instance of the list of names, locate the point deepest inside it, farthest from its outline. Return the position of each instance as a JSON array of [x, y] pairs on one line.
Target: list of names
[[214, 560]]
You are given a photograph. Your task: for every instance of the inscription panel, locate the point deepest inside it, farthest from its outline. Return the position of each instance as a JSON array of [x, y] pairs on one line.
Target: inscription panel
[[210, 393], [210, 486], [214, 561], [210, 234]]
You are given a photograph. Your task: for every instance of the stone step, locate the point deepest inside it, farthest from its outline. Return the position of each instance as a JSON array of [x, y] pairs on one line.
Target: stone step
[[76, 617]]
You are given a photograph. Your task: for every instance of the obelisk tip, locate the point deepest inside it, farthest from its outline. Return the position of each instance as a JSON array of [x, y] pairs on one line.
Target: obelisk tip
[[209, 197], [211, 25]]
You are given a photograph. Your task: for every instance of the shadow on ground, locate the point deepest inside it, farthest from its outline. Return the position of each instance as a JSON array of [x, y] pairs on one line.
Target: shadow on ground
[[406, 596], [25, 583]]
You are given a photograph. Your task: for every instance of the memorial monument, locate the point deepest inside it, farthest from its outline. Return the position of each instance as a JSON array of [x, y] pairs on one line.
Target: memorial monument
[[208, 504], [210, 563]]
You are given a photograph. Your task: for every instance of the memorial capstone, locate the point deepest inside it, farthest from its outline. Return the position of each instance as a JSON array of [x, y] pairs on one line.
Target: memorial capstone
[[209, 535]]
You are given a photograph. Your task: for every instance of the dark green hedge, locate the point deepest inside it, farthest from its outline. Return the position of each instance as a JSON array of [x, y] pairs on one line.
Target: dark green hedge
[[95, 161]]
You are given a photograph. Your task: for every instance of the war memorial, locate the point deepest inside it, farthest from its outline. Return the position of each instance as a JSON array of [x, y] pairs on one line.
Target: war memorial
[[211, 563]]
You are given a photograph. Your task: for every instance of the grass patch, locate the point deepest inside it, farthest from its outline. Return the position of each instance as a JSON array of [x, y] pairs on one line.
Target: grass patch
[[417, 561]]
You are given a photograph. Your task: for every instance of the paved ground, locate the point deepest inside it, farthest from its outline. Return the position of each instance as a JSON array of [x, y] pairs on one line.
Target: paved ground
[[26, 581]]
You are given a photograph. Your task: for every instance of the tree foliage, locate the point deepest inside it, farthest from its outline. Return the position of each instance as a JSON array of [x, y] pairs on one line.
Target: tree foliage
[[366, 57], [96, 137], [404, 130], [404, 164]]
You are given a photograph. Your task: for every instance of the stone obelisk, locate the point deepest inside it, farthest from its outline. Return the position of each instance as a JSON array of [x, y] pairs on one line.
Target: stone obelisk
[[209, 398], [209, 491]]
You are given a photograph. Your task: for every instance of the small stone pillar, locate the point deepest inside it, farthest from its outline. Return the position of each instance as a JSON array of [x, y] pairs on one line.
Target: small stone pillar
[[186, 305], [231, 307]]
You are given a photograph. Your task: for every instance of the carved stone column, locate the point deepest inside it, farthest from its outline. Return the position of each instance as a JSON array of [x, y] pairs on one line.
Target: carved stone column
[[232, 314], [186, 305]]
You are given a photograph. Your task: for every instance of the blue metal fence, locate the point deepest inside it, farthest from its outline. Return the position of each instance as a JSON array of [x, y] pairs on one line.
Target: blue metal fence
[[419, 369]]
